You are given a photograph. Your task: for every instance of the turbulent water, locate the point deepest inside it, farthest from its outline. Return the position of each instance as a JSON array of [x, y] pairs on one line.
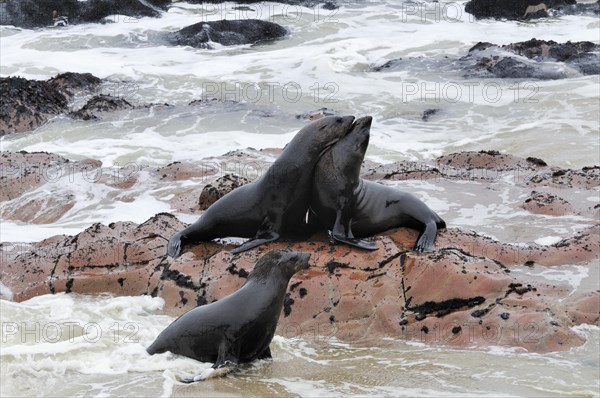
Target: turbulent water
[[82, 346], [326, 61]]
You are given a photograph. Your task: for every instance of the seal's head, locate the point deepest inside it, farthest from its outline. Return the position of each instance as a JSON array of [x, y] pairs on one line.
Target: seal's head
[[358, 138], [279, 264], [318, 136], [348, 154]]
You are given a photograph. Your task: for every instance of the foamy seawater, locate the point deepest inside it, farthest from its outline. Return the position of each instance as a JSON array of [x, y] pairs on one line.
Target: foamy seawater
[[76, 345], [94, 346]]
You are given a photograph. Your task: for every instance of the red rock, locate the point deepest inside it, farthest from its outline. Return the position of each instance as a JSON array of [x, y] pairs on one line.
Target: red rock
[[581, 248], [446, 297], [545, 203], [587, 178], [178, 171], [36, 210], [486, 160], [584, 308]]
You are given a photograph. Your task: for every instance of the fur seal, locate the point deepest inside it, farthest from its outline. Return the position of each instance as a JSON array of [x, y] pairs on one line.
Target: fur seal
[[238, 328], [357, 208], [335, 181], [277, 203]]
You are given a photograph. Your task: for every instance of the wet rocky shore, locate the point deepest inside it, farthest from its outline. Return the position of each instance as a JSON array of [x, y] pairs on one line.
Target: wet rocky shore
[[471, 291]]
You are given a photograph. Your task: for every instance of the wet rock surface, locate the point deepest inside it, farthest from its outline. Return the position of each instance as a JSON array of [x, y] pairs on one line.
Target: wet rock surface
[[531, 59], [227, 33], [526, 9], [101, 103], [39, 13], [471, 291], [450, 296], [70, 84], [27, 104]]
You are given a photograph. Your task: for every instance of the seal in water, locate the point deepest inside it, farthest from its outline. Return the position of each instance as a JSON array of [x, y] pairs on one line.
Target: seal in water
[[238, 328], [357, 208], [277, 203]]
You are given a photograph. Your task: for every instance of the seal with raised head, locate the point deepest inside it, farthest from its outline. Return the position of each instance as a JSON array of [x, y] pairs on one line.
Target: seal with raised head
[[238, 328], [353, 208], [277, 203]]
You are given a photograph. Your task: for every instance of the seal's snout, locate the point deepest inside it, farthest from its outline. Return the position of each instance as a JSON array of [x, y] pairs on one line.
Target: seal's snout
[[364, 122], [303, 258], [300, 260]]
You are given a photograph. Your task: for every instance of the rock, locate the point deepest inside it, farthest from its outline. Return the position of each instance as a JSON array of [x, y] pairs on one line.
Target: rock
[[532, 59], [70, 83], [584, 308], [27, 104], [545, 203], [427, 113], [535, 58], [39, 13], [580, 8], [227, 33], [316, 114], [180, 171], [101, 103], [22, 172], [586, 178], [581, 248], [512, 9], [37, 210], [221, 187], [328, 5], [491, 160], [400, 171], [448, 297]]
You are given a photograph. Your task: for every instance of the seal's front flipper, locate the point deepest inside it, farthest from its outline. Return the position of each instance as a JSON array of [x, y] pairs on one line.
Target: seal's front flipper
[[264, 237], [266, 354], [174, 247], [212, 373], [426, 239]]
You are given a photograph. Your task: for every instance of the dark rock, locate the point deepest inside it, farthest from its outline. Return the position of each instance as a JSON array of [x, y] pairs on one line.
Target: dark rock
[[512, 9], [391, 64], [590, 9], [39, 13], [70, 83], [511, 68], [328, 5], [227, 33], [428, 113], [316, 114], [27, 104], [101, 103], [537, 161], [534, 61]]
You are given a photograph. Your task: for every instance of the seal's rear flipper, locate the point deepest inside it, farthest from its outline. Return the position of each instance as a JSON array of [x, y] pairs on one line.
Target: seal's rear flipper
[[342, 231], [360, 243], [174, 247], [263, 237]]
